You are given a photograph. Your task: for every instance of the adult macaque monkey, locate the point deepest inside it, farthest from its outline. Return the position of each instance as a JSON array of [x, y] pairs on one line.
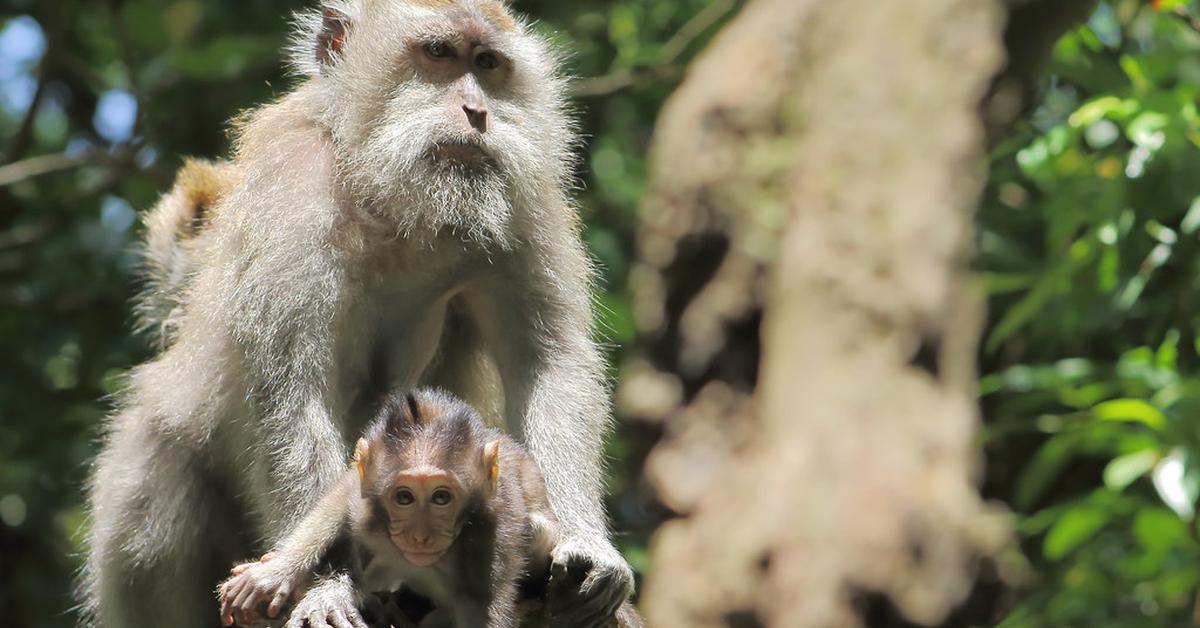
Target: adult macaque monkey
[[402, 211]]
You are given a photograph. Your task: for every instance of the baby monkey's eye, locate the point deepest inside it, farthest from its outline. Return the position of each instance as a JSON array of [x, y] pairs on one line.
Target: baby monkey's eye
[[487, 61], [441, 497], [438, 50], [405, 497]]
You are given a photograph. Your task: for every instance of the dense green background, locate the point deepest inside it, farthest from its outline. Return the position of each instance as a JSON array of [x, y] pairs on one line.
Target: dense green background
[[1089, 243], [1090, 249]]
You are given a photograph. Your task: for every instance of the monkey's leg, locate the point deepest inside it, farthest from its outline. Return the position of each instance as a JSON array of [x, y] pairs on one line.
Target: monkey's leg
[[464, 368], [557, 402], [161, 533]]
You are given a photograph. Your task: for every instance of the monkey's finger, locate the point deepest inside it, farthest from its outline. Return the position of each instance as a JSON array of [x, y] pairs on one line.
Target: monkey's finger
[[607, 586], [266, 558], [227, 611], [357, 620], [318, 620], [590, 610], [563, 591], [611, 585], [246, 597], [339, 620], [279, 601], [229, 592]]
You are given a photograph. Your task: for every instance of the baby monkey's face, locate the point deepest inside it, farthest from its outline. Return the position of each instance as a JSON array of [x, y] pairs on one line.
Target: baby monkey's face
[[423, 508], [423, 472]]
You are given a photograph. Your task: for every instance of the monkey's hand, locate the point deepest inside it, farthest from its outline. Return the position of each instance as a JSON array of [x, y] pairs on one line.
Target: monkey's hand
[[253, 584], [332, 603], [589, 581]]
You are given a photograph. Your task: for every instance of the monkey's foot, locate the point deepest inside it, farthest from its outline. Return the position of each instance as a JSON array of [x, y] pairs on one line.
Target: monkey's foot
[[332, 603], [588, 583]]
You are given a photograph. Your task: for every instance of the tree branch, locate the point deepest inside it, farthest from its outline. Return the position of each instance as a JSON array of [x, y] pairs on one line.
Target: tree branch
[[25, 169], [687, 34]]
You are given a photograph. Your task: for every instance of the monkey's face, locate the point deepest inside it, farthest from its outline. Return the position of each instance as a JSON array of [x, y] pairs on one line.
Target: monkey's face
[[423, 508], [423, 466], [450, 109]]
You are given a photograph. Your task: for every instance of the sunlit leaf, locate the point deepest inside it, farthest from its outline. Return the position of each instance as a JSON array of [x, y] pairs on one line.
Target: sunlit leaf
[[1169, 5], [1097, 109], [1177, 490], [1146, 129], [1124, 470], [1135, 410]]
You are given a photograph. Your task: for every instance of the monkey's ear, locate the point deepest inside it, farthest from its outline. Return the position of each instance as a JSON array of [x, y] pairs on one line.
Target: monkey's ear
[[491, 466], [335, 28], [362, 458]]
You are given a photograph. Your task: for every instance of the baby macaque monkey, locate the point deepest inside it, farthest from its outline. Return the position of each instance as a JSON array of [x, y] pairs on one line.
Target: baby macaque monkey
[[436, 501]]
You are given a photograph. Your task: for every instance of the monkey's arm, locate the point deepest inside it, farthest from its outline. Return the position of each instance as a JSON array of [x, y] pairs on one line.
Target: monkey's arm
[[556, 400], [279, 291]]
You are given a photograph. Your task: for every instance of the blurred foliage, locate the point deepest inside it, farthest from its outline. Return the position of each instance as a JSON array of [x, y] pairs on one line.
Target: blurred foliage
[[1089, 245], [121, 90]]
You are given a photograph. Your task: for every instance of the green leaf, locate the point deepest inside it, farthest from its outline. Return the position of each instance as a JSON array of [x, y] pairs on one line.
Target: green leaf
[[1168, 352], [1001, 283], [1170, 5], [1124, 470], [1072, 529], [1045, 466], [1135, 410], [1021, 313], [1146, 128], [1191, 220], [1137, 75], [1095, 110]]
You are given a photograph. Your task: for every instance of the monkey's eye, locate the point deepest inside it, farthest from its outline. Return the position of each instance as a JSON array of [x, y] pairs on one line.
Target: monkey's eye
[[405, 497], [487, 61], [438, 50], [441, 497]]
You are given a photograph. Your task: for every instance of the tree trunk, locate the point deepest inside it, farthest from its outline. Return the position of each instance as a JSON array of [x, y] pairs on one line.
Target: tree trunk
[[809, 326]]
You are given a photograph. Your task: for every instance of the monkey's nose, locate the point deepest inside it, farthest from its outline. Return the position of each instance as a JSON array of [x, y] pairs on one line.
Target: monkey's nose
[[476, 117]]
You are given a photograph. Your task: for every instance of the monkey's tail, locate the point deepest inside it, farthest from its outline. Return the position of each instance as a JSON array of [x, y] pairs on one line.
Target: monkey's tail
[[171, 244]]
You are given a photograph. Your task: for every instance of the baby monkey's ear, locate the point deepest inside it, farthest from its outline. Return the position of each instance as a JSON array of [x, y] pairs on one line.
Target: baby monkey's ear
[[362, 458], [335, 28], [491, 466]]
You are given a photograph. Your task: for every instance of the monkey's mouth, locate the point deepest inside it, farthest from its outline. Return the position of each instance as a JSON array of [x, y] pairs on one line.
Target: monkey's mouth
[[422, 559], [465, 153]]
